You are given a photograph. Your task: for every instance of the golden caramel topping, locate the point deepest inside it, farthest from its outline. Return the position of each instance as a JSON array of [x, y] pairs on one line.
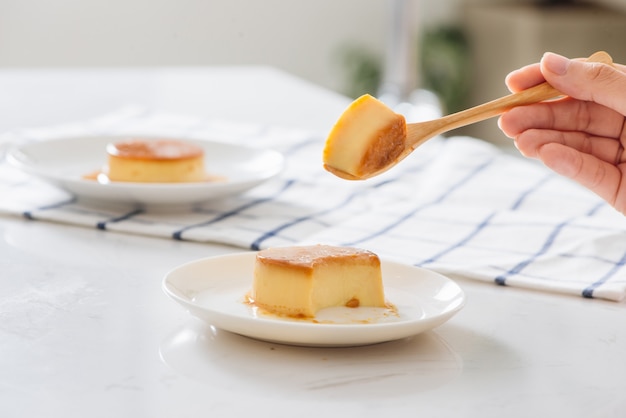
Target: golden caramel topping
[[308, 256], [158, 149]]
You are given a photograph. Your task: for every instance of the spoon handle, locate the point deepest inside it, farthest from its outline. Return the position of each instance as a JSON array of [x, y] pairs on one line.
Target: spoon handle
[[538, 93]]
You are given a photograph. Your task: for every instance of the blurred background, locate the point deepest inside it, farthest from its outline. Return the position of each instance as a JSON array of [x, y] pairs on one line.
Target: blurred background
[[459, 49]]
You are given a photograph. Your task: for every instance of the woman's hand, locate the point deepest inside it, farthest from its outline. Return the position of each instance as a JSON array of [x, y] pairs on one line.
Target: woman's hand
[[582, 136]]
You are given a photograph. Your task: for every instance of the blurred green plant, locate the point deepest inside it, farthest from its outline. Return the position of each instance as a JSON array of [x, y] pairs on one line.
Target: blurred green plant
[[444, 66], [362, 70]]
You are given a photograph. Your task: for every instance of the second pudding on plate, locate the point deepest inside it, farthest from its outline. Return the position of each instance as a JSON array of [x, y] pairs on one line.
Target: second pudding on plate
[[155, 161]]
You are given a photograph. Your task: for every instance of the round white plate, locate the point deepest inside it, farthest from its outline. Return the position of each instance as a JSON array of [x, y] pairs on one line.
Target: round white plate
[[214, 290], [64, 162]]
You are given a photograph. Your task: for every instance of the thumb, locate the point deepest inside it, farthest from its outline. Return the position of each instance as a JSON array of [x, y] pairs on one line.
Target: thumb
[[589, 81]]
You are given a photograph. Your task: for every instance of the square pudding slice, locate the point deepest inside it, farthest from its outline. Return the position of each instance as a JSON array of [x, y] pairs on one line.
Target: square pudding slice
[[298, 281]]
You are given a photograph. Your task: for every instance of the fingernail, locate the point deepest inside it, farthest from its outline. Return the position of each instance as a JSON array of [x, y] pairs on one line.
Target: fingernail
[[555, 63]]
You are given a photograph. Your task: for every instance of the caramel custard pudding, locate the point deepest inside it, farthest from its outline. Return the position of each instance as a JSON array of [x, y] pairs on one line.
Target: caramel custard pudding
[[367, 138], [299, 281], [155, 161]]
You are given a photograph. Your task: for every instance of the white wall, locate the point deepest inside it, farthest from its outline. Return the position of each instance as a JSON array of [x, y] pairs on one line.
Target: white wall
[[302, 37]]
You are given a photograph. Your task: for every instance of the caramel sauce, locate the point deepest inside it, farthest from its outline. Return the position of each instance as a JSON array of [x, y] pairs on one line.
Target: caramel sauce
[[92, 176], [389, 311], [388, 145], [101, 177], [353, 303]]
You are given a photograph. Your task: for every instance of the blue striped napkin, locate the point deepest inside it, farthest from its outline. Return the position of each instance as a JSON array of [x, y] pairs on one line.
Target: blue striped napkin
[[459, 206]]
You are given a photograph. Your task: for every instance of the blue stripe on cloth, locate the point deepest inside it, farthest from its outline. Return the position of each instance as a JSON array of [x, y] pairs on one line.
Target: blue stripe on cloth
[[29, 213], [178, 235], [103, 224], [588, 291], [460, 243], [516, 205], [501, 280], [256, 245], [601, 204], [418, 209]]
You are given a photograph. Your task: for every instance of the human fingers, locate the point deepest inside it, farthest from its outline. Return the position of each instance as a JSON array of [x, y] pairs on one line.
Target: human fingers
[[524, 78], [589, 81], [599, 176], [530, 142], [531, 75], [564, 115]]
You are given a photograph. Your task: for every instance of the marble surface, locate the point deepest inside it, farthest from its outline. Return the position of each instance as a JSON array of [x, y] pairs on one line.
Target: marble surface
[[86, 330]]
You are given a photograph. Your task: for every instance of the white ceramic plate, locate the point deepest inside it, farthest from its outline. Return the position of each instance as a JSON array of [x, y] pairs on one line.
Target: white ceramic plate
[[64, 162], [214, 290]]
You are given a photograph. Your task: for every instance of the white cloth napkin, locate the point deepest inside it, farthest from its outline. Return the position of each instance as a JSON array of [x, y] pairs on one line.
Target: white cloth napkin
[[459, 206]]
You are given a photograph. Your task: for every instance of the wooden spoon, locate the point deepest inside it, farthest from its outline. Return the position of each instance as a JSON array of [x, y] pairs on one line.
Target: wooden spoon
[[370, 138]]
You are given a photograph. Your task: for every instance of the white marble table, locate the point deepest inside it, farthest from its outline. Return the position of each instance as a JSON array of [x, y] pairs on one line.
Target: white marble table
[[86, 331]]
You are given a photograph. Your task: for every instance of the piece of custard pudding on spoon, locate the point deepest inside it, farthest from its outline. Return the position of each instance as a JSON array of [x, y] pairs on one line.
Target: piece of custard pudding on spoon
[[367, 138]]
